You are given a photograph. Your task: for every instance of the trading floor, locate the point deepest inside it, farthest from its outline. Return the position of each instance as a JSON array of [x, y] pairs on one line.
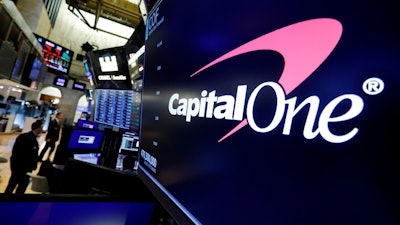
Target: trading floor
[[6, 144]]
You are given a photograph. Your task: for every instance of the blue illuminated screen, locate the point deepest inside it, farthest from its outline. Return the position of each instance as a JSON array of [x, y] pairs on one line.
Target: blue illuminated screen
[[85, 140]]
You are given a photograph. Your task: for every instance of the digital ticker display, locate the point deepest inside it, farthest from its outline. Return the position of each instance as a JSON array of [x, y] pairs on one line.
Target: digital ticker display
[[113, 107], [57, 58]]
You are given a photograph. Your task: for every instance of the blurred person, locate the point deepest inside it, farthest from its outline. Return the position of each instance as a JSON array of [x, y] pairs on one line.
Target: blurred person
[[53, 133], [24, 158]]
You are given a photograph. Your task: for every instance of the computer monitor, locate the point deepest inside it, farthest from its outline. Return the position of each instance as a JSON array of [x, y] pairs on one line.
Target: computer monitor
[[129, 144], [85, 141], [109, 68], [113, 107], [87, 124], [92, 158], [57, 58]]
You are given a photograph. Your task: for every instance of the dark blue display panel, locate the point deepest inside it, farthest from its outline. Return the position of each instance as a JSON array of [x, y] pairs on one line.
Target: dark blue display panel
[[60, 81], [108, 69], [87, 124], [113, 107], [85, 141], [68, 213], [273, 112], [79, 86]]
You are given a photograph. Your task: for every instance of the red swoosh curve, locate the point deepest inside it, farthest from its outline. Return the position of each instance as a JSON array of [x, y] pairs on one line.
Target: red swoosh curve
[[304, 46]]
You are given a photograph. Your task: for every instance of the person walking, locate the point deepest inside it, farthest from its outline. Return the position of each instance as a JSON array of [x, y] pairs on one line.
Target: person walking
[[24, 158], [53, 133]]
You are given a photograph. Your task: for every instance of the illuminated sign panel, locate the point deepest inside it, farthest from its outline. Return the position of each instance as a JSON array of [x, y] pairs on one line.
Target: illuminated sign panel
[[60, 81], [79, 86], [110, 69], [281, 117]]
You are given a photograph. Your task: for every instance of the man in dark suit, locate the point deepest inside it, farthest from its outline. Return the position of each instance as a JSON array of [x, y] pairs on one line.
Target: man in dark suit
[[24, 158], [53, 133]]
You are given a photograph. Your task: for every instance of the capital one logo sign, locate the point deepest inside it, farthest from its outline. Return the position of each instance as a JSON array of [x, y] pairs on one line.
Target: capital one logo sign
[[304, 47]]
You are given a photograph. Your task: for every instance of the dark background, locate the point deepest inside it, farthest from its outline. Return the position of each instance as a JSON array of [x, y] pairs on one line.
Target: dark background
[[271, 178]]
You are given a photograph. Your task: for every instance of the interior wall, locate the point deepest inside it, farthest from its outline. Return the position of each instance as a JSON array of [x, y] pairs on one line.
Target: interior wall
[[31, 9]]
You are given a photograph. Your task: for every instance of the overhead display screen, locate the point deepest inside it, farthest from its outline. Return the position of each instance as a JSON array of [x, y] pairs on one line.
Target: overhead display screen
[[108, 69], [60, 81], [113, 107], [79, 86], [57, 58], [272, 112]]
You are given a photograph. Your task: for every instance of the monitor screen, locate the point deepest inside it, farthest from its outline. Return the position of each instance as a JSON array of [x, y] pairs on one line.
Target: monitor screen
[[92, 158], [129, 144], [135, 110], [113, 107], [272, 112], [33, 71], [23, 49], [57, 58], [108, 69], [85, 141], [60, 81], [79, 86], [87, 124], [36, 70]]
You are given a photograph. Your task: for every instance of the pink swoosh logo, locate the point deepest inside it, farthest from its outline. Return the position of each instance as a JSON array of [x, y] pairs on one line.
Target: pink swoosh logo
[[304, 46]]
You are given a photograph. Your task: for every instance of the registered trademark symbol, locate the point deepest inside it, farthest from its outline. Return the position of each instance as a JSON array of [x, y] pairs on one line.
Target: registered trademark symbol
[[373, 86]]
